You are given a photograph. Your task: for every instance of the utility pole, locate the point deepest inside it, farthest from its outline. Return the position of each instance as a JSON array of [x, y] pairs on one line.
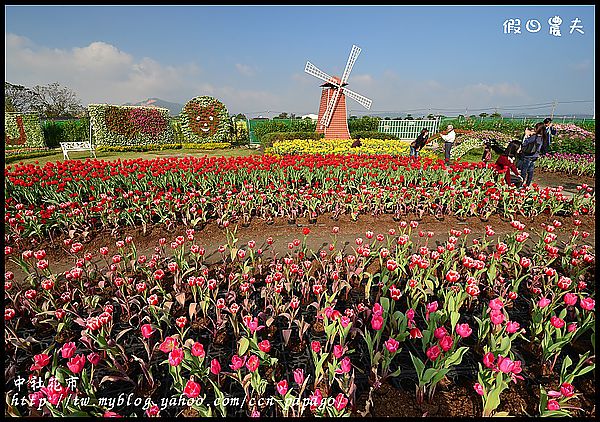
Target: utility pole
[[553, 106]]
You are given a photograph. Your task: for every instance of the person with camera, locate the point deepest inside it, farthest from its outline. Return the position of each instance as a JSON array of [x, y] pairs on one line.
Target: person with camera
[[531, 152], [419, 143], [550, 132], [448, 138]]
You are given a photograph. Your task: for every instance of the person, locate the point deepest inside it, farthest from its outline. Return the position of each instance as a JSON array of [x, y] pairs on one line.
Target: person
[[448, 142], [419, 143], [550, 131], [487, 153], [528, 132], [531, 152], [506, 164]]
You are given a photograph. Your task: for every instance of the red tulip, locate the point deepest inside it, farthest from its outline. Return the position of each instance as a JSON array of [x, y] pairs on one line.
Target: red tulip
[[282, 387], [176, 356], [340, 402], [147, 330], [76, 363], [198, 350], [68, 350], [446, 343], [192, 389], [215, 367], [253, 363], [264, 346], [40, 361], [433, 352]]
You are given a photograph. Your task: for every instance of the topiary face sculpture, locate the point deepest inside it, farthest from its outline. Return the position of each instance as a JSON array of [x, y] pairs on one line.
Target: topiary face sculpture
[[205, 119]]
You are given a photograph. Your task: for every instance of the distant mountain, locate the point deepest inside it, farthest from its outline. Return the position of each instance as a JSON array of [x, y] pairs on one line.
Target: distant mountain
[[174, 108]]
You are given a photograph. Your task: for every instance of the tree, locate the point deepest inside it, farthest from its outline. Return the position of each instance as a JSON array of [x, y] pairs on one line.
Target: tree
[[483, 115], [409, 117], [240, 116], [495, 115], [19, 98], [283, 115], [430, 116], [57, 101]]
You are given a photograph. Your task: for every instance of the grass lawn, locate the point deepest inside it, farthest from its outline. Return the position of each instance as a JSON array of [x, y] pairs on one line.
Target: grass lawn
[[112, 155]]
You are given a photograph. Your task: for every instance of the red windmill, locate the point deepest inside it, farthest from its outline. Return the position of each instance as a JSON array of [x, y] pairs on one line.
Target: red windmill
[[332, 118]]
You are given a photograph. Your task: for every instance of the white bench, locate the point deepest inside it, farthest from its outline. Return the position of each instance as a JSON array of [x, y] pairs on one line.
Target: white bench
[[76, 146]]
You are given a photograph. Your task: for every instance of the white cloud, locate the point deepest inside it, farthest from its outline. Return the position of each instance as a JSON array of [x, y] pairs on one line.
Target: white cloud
[[98, 72], [245, 69]]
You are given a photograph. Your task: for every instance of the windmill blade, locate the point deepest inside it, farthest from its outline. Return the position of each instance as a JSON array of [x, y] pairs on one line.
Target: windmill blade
[[364, 101], [330, 107], [315, 71], [351, 59]]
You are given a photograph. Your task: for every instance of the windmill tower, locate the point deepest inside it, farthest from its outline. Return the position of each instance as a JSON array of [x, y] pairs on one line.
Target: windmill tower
[[332, 109]]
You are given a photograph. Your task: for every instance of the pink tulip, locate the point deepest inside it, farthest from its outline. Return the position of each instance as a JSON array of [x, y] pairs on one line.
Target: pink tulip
[[479, 389], [512, 327], [147, 330], [570, 299], [392, 345], [377, 322], [552, 405], [463, 330], [567, 389], [587, 303], [543, 302], [557, 322], [345, 366], [299, 376], [497, 317]]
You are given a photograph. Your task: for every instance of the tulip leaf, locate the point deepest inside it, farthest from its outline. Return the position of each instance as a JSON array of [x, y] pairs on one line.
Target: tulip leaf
[[243, 346], [456, 357], [419, 365], [428, 375]]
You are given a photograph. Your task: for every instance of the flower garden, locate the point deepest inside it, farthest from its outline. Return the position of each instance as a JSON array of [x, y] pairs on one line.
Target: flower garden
[[313, 280]]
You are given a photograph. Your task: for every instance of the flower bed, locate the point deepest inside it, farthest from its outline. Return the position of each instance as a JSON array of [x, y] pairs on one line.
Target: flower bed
[[90, 195], [305, 332], [579, 164], [344, 147]]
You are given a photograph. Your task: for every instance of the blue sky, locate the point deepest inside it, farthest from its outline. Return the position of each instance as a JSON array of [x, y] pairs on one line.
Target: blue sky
[[446, 59]]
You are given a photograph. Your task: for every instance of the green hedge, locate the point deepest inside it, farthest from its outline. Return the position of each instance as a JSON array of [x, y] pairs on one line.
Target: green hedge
[[130, 125], [372, 134], [23, 129], [287, 125], [269, 138]]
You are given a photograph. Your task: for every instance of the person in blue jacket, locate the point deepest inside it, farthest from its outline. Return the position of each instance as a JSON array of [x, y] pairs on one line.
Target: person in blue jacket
[[550, 132], [531, 151]]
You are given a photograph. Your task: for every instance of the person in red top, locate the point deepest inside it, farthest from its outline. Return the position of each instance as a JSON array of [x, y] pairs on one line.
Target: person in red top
[[506, 163]]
